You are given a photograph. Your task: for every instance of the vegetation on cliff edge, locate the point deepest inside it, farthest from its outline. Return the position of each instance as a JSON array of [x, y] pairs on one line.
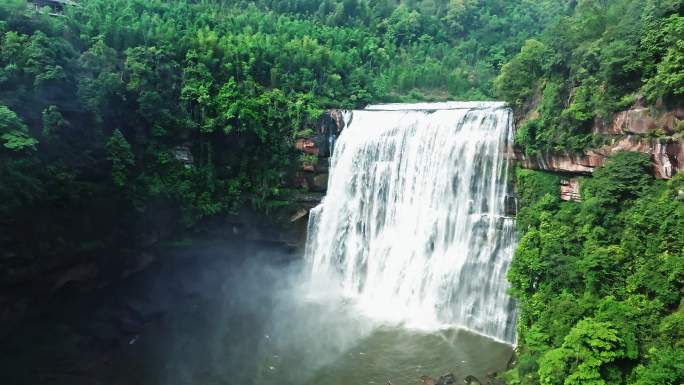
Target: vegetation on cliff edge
[[600, 283], [604, 57], [122, 115]]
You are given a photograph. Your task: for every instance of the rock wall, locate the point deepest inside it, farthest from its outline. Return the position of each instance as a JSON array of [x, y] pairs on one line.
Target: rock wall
[[667, 155], [639, 129], [313, 173], [570, 189], [647, 130], [641, 120]]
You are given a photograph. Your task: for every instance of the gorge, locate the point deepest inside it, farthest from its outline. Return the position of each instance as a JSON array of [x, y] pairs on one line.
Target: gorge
[[161, 163]]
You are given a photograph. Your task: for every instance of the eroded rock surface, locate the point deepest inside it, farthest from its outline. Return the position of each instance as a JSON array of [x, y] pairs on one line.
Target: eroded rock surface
[[313, 172], [647, 130], [641, 120], [667, 156], [570, 189]]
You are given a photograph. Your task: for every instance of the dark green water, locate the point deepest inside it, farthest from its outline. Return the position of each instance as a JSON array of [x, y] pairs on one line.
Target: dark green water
[[315, 344], [262, 329], [402, 356]]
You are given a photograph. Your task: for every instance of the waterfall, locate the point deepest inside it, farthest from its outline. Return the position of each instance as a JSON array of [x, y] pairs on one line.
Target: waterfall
[[413, 227]]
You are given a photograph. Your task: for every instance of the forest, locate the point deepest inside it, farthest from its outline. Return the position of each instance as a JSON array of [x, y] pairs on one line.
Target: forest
[[600, 283], [97, 103]]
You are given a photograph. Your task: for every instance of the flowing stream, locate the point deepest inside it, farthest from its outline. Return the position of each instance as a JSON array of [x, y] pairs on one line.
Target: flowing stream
[[413, 228]]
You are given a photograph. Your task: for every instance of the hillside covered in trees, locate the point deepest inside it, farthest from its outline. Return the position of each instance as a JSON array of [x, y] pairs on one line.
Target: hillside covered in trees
[[116, 115], [600, 283], [605, 57], [98, 103]]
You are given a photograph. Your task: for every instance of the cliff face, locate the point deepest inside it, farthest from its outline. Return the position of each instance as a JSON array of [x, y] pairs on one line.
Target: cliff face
[[313, 173], [667, 155], [639, 129]]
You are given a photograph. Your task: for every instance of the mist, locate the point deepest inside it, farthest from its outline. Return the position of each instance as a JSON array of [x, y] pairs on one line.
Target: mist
[[246, 320], [210, 312]]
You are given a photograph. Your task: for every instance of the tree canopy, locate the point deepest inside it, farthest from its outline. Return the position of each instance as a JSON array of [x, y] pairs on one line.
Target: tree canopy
[[603, 57], [600, 283]]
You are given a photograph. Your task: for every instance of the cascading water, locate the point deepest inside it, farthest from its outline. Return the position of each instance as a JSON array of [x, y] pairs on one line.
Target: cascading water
[[413, 226]]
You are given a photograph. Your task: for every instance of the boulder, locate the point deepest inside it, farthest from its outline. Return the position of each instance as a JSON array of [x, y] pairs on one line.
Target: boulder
[[472, 380], [183, 154], [447, 379], [492, 379]]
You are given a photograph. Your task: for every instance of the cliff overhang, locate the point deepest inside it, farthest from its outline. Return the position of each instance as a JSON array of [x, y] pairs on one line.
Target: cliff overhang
[[640, 129]]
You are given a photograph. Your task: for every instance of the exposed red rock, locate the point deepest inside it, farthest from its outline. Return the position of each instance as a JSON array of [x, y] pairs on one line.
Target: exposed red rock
[[313, 174], [668, 157], [570, 190], [642, 121], [627, 128], [307, 146]]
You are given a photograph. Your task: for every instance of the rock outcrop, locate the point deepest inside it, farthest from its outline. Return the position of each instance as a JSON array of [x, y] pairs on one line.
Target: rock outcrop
[[667, 155], [639, 129], [450, 379], [313, 173], [641, 120], [646, 130], [570, 189], [472, 380]]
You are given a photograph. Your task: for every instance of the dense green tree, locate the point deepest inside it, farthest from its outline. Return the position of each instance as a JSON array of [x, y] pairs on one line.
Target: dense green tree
[[516, 83], [120, 155], [603, 57], [599, 282], [586, 348], [13, 132], [668, 52], [119, 110]]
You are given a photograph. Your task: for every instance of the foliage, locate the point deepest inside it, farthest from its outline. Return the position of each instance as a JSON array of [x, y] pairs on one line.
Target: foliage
[[598, 59], [431, 48], [13, 131], [191, 109], [600, 283], [126, 110], [666, 46], [120, 154], [587, 347], [625, 176], [516, 83]]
